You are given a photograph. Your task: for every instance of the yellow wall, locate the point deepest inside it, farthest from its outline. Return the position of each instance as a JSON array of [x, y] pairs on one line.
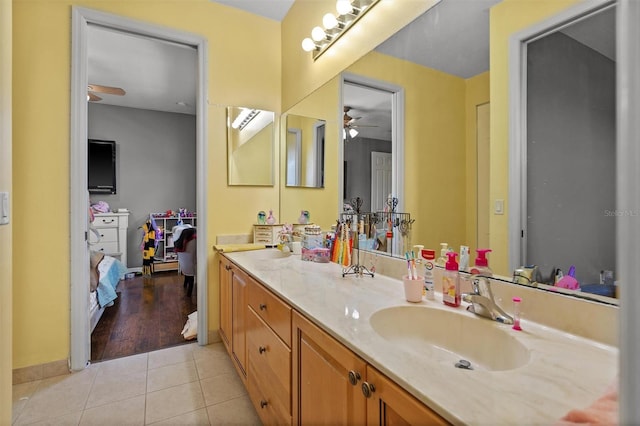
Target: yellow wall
[[5, 230], [250, 159], [41, 105], [477, 93], [434, 169], [507, 17]]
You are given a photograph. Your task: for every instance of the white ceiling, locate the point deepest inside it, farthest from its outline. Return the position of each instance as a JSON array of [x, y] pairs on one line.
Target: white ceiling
[[453, 37]]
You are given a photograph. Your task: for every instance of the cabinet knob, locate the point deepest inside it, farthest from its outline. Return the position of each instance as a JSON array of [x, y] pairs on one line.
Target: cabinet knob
[[262, 349], [227, 267], [368, 389], [263, 306], [354, 377], [263, 403]]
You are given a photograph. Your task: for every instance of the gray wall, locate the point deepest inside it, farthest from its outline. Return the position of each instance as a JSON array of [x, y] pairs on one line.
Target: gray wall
[[571, 158], [357, 154], [155, 164]]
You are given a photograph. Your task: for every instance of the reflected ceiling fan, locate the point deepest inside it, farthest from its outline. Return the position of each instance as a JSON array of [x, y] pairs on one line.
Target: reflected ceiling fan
[[349, 125], [92, 89]]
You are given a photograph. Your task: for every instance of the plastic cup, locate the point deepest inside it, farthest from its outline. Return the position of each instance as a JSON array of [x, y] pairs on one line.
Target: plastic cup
[[413, 288]]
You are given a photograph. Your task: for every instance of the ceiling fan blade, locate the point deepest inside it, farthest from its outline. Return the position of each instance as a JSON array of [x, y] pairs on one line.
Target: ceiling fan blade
[[106, 89], [94, 98]]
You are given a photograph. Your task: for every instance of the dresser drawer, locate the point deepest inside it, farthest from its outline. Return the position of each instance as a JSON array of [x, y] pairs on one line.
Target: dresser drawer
[[105, 222], [275, 313], [106, 248], [107, 235], [269, 362]]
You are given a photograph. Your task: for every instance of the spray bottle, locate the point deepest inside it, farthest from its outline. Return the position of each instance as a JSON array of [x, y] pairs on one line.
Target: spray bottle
[[481, 266], [451, 282]]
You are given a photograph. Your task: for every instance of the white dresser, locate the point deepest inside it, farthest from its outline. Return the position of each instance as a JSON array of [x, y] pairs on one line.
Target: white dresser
[[112, 228]]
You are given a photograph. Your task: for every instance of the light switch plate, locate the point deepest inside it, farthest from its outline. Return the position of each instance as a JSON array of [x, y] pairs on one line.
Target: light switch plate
[[4, 208], [498, 207]]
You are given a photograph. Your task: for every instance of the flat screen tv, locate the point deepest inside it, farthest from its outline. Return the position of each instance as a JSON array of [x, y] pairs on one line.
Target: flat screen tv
[[102, 167]]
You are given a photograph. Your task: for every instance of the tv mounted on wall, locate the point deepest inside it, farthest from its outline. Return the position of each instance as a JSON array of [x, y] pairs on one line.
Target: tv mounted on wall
[[102, 167]]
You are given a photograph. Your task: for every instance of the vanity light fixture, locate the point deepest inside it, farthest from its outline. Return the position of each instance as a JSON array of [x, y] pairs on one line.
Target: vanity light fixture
[[349, 11], [245, 116]]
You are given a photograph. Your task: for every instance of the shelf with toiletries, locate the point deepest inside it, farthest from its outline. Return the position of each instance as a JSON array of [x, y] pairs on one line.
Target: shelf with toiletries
[[382, 231]]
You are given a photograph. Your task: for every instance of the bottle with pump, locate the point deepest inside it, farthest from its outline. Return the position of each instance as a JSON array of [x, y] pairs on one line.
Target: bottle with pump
[[440, 262], [451, 282], [481, 266]]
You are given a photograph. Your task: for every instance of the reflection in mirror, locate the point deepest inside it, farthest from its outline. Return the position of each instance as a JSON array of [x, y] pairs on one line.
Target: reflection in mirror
[[305, 139], [250, 142], [569, 216]]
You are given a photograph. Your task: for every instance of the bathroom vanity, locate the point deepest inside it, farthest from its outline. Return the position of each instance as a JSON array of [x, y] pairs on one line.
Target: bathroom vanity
[[314, 347]]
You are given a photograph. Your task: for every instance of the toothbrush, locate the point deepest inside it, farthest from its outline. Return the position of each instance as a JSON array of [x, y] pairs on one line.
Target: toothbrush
[[409, 270], [414, 271]]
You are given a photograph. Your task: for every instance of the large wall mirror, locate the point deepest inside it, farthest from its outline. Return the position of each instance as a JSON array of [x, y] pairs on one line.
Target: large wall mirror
[[250, 146], [441, 62]]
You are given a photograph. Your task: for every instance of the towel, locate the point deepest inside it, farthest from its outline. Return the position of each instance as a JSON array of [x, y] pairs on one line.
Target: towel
[[230, 248], [603, 411]]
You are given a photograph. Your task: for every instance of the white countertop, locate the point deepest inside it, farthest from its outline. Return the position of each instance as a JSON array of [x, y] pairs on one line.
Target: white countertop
[[564, 371]]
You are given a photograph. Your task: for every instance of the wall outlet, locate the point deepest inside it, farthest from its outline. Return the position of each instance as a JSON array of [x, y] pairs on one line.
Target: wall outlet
[[498, 207], [4, 208]]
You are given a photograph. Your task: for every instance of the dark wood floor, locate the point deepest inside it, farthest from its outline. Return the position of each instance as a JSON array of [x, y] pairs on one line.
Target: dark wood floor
[[149, 314]]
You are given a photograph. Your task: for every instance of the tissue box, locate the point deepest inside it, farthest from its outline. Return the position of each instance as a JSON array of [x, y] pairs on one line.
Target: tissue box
[[321, 255], [311, 242]]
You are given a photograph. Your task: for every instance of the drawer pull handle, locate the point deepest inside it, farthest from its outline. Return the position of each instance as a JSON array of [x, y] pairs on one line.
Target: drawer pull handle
[[368, 389], [263, 403], [263, 306], [227, 267], [354, 377], [262, 349], [108, 221]]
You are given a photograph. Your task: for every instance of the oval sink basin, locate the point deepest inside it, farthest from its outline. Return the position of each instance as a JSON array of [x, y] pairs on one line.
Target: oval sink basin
[[450, 336], [271, 254]]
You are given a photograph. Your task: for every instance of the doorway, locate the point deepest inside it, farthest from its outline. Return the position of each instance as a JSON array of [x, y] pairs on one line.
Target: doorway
[[375, 112], [81, 18]]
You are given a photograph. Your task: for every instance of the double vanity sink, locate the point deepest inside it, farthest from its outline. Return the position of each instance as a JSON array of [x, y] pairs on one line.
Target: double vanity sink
[[466, 368]]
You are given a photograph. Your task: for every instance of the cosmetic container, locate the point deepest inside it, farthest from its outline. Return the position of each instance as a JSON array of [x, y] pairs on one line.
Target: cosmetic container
[[429, 257]]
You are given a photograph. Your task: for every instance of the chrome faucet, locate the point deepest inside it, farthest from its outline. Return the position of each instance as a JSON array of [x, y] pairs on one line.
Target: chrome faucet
[[482, 302]]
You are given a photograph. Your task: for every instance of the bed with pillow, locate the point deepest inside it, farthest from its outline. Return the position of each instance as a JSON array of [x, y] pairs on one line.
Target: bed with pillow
[[105, 274]]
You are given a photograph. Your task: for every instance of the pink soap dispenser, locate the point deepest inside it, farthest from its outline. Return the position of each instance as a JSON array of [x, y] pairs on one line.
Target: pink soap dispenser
[[451, 282]]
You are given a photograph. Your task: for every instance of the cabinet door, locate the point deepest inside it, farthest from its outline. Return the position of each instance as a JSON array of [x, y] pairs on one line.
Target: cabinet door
[[389, 404], [238, 321], [326, 378], [225, 271]]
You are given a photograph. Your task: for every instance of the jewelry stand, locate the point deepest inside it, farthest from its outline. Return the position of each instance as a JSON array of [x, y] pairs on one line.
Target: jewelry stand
[[356, 268]]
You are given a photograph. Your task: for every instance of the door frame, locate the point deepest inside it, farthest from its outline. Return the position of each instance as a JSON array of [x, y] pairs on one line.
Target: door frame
[[80, 339], [397, 133]]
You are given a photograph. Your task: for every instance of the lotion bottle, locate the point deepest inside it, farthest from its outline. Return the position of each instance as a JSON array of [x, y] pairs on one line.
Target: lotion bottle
[[451, 282], [429, 257]]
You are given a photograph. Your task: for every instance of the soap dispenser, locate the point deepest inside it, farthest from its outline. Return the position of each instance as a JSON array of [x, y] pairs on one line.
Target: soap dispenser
[[481, 266], [451, 282]]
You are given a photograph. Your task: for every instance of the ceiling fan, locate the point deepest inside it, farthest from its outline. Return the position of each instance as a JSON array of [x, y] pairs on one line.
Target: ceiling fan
[[349, 125], [92, 89]]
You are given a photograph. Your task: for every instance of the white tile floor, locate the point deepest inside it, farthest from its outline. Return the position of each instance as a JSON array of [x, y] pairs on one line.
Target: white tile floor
[[183, 385]]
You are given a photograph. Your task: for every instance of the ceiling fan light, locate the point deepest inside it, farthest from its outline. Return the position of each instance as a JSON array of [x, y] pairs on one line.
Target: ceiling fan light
[[317, 33], [308, 45], [329, 21], [343, 7], [353, 133]]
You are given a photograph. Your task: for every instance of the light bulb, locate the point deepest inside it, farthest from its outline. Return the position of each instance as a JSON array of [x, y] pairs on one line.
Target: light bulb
[[308, 45], [329, 21], [343, 7], [353, 133], [317, 33]]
